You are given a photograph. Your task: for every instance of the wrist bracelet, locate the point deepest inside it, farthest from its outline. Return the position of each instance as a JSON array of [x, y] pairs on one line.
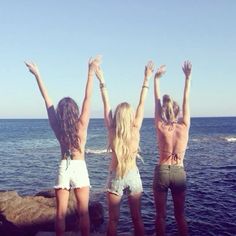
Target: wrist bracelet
[[102, 85], [145, 86]]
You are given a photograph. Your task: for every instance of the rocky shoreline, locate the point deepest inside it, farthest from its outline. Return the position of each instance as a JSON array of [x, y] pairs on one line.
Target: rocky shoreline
[[34, 215]]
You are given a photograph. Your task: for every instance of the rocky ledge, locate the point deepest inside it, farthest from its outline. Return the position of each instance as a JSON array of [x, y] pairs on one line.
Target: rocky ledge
[[28, 215]]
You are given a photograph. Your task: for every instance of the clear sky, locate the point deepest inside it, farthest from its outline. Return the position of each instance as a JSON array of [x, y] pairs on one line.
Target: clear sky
[[60, 36]]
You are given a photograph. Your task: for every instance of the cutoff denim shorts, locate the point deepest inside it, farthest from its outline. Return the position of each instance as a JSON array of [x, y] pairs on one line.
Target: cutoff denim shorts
[[169, 176], [131, 183], [72, 174]]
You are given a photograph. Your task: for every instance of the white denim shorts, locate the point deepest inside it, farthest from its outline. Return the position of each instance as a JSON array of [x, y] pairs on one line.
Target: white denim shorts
[[72, 174], [131, 183]]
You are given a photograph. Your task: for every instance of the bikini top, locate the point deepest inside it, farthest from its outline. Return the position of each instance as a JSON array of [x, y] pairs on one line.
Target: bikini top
[[173, 155]]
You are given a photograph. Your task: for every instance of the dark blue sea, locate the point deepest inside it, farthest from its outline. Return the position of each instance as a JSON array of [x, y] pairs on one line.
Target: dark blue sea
[[29, 155]]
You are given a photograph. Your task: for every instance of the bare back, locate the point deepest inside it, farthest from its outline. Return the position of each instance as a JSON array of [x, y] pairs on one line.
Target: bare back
[[82, 134], [172, 142]]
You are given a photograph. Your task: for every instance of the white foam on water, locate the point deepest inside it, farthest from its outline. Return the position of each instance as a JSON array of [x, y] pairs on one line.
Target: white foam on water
[[230, 139], [96, 151]]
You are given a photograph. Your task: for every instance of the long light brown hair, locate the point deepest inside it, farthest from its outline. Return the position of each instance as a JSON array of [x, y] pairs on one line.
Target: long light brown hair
[[68, 117]]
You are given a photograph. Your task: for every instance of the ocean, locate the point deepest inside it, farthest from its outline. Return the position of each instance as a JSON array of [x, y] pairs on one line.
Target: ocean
[[29, 155]]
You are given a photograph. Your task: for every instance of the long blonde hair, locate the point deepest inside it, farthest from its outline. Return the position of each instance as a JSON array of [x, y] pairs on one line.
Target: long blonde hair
[[170, 109], [123, 137]]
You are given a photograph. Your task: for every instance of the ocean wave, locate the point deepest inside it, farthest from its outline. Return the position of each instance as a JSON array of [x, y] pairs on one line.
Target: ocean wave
[[216, 138], [96, 151], [203, 139], [195, 140], [102, 151], [232, 167], [230, 139]]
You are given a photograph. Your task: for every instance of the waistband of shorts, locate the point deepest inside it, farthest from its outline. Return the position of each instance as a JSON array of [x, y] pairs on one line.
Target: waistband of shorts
[[169, 167], [77, 160], [67, 162], [129, 171]]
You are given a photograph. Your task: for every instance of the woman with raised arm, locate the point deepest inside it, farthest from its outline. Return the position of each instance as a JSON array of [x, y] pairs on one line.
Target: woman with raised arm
[[172, 137], [123, 134], [70, 128]]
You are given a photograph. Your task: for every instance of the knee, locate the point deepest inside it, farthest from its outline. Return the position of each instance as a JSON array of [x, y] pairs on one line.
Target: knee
[[114, 219], [136, 217], [179, 213], [161, 216], [83, 214], [179, 216], [60, 216], [61, 211], [82, 209]]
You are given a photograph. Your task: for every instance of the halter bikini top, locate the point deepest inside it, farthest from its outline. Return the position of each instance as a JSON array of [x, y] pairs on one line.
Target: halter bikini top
[[173, 155]]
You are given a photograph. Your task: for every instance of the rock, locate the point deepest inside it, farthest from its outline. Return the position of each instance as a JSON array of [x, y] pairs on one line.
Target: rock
[[96, 215], [68, 234], [78, 234], [46, 193], [25, 216]]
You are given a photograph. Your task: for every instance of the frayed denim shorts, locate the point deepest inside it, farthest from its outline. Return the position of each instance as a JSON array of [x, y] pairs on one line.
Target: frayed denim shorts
[[131, 183], [72, 174]]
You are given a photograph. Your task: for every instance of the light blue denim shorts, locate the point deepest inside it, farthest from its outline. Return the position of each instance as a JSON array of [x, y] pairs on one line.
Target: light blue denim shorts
[[131, 183]]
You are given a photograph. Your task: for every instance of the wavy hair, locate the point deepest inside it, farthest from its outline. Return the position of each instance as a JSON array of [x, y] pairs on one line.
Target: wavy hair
[[68, 117], [123, 138], [170, 109]]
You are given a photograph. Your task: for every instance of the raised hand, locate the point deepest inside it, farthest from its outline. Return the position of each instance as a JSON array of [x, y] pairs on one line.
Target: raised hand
[[160, 71], [35, 71], [149, 68], [32, 68], [94, 62], [187, 68]]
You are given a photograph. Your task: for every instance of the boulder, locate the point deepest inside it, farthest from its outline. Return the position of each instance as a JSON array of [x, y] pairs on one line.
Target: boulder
[[25, 216]]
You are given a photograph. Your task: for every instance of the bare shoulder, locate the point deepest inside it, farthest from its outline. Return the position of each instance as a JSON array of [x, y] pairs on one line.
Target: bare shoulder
[[181, 130], [182, 124], [159, 124]]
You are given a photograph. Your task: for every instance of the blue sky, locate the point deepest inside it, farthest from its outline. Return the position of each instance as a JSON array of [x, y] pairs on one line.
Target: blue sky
[[60, 36]]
